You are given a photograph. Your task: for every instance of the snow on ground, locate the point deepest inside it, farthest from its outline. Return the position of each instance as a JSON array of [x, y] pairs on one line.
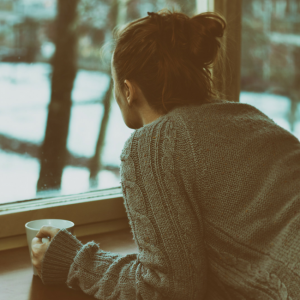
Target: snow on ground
[[18, 177], [25, 94]]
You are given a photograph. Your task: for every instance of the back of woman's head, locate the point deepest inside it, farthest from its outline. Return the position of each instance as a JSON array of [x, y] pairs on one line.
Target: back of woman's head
[[169, 55]]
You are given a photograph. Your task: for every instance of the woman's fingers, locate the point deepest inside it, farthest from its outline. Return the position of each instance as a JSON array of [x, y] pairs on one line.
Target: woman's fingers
[[36, 246], [37, 253], [45, 240], [36, 240], [47, 231]]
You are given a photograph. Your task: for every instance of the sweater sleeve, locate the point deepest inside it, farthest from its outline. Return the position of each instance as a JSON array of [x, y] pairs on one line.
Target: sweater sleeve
[[171, 263], [103, 275]]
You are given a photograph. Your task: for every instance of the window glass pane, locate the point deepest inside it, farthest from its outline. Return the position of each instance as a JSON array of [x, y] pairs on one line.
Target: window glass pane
[[53, 86], [271, 60]]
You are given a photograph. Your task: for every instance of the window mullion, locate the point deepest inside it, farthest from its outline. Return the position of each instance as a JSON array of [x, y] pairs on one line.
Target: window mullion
[[227, 73]]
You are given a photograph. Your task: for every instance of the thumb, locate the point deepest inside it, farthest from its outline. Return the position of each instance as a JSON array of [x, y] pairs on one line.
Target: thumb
[[47, 231]]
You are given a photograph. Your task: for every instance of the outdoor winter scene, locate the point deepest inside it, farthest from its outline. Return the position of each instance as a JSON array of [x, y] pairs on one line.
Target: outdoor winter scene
[[56, 92]]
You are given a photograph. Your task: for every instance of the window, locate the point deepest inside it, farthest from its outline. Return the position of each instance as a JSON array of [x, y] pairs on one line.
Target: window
[[61, 131], [72, 134], [84, 133]]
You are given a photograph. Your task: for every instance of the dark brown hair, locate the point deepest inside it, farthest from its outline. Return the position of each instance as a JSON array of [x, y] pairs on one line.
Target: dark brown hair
[[169, 55]]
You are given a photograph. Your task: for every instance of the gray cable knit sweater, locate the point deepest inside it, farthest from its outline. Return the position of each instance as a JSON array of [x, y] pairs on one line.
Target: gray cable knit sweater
[[212, 194]]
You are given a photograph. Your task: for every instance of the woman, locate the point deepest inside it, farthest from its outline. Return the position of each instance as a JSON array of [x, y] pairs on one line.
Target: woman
[[211, 187]]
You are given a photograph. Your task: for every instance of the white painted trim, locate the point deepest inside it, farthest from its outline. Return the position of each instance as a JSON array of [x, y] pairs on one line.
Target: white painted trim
[[210, 5], [204, 6], [45, 202]]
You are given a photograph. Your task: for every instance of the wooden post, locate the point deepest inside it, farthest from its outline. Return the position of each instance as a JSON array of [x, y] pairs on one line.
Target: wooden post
[[228, 72]]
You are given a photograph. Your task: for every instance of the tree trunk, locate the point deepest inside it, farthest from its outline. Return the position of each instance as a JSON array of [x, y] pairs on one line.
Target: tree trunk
[[117, 15], [53, 151], [288, 7], [95, 162]]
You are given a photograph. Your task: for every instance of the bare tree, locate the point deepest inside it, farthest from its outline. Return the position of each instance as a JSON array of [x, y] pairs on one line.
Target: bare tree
[[117, 13], [95, 162], [53, 151]]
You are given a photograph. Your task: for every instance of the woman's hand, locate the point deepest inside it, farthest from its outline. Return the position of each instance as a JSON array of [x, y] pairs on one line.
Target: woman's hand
[[39, 248]]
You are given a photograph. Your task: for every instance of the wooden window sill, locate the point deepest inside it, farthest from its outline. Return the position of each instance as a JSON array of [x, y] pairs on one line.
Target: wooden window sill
[[16, 269]]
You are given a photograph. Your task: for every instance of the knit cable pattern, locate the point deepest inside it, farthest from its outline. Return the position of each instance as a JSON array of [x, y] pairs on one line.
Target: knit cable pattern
[[263, 280]]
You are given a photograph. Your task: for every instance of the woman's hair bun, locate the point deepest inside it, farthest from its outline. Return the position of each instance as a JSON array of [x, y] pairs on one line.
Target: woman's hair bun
[[197, 35], [206, 28], [211, 24]]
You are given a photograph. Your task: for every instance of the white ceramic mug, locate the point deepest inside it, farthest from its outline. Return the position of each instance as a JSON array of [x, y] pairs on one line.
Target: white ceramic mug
[[33, 227]]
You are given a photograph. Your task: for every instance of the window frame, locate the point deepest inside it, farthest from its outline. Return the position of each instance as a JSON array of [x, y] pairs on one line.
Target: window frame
[[92, 212], [104, 210]]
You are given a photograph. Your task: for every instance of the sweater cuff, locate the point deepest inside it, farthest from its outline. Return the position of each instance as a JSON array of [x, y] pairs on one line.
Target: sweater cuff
[[59, 257]]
